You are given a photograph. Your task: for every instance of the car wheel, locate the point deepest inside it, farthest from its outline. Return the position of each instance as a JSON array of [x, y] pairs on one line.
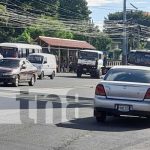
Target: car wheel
[[100, 116], [32, 81], [5, 83], [41, 76], [16, 82], [79, 74], [52, 76]]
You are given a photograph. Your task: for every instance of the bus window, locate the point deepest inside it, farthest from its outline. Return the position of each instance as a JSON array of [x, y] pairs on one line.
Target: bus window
[[33, 50], [8, 51]]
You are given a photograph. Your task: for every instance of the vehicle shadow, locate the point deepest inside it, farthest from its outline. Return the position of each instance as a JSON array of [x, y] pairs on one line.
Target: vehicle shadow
[[75, 77], [120, 124]]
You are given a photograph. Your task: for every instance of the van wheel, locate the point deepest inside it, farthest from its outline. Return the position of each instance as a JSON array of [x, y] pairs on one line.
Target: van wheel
[[41, 76], [16, 82], [52, 76], [32, 81]]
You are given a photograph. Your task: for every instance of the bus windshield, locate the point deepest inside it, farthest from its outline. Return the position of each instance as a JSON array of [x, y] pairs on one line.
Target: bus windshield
[[88, 55], [8, 51], [141, 58], [36, 59]]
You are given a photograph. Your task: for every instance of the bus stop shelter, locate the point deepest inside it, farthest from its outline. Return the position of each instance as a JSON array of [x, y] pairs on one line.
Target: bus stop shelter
[[65, 50]]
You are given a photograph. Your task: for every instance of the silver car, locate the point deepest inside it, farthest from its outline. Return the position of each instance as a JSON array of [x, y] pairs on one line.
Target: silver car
[[125, 90]]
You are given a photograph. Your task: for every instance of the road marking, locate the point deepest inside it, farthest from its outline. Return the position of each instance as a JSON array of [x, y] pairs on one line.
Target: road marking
[[15, 92]]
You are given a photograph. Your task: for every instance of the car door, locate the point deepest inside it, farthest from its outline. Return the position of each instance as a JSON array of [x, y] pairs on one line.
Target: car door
[[29, 69]]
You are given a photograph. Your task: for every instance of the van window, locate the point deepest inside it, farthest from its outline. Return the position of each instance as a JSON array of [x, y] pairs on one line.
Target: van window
[[37, 59]]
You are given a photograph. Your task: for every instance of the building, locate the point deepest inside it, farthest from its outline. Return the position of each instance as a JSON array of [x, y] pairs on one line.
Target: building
[[66, 50]]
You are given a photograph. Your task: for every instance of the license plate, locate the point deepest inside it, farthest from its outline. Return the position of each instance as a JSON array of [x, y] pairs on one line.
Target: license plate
[[84, 69], [123, 108]]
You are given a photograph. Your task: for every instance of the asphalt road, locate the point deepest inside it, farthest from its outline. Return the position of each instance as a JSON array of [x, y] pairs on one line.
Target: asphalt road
[[57, 115]]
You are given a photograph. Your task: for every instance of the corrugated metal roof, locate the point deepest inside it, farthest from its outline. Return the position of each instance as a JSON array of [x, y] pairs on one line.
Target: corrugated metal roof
[[66, 43]]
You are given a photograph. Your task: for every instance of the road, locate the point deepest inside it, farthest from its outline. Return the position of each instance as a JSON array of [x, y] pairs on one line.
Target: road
[[57, 115]]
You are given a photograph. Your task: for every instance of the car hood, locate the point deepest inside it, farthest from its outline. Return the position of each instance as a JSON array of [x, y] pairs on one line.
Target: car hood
[[4, 70]]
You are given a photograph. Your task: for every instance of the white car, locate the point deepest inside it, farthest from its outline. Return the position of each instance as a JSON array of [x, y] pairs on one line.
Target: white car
[[125, 90]]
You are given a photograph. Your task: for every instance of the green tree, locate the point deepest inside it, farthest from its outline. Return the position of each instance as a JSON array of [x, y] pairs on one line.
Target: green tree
[[24, 37], [74, 9]]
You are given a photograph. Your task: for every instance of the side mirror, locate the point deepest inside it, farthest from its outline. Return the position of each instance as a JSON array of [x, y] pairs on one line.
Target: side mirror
[[23, 66]]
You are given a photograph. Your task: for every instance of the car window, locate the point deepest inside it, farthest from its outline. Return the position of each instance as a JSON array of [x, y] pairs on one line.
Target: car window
[[128, 75]]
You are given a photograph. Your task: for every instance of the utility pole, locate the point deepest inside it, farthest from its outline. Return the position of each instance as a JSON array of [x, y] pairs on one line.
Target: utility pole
[[124, 54]]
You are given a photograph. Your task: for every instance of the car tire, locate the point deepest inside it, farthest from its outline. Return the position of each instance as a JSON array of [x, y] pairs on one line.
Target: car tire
[[101, 117], [16, 81], [5, 84], [41, 76], [32, 81], [52, 76], [79, 74]]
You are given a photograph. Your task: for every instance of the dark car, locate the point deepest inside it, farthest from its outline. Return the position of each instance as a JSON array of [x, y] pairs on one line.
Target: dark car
[[15, 71]]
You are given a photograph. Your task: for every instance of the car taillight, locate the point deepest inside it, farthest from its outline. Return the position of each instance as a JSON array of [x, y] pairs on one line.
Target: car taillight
[[147, 95], [100, 90]]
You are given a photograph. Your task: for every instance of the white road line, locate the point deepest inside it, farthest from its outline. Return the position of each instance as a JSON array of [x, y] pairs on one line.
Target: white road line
[[14, 93]]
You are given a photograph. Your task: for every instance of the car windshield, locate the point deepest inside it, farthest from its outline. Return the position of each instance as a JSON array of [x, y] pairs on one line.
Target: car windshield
[[9, 63], [36, 59], [128, 75], [88, 55]]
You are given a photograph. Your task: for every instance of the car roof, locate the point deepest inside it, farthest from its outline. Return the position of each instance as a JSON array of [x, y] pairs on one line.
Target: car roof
[[131, 67]]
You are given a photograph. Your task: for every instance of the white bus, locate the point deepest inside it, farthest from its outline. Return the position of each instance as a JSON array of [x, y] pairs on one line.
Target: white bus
[[18, 50]]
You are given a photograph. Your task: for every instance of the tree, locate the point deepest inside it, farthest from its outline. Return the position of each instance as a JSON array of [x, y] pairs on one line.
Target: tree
[[24, 37], [101, 41], [47, 7], [74, 9]]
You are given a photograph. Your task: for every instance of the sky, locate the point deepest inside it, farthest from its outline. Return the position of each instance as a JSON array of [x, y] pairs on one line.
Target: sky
[[101, 8]]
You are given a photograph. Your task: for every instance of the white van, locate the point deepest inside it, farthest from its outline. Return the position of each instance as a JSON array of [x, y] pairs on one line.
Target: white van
[[45, 63]]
